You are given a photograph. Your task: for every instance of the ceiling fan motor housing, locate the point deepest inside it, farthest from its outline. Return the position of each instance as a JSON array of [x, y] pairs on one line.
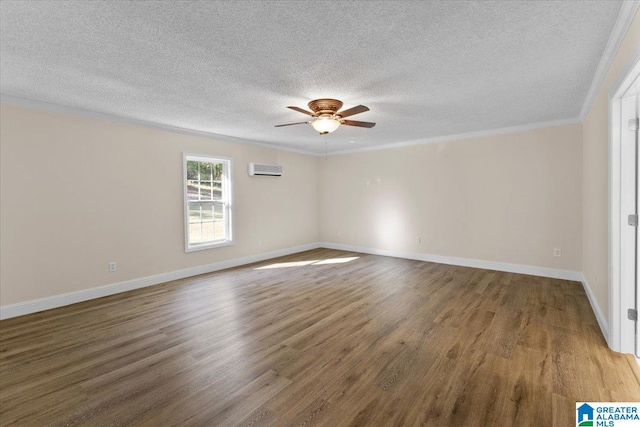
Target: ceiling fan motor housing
[[325, 106]]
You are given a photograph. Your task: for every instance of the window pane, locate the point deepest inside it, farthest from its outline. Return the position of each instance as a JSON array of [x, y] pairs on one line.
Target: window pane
[[217, 171], [192, 190], [195, 233], [205, 191], [217, 190], [205, 171], [207, 211], [208, 215], [220, 230], [192, 169], [194, 213], [219, 215], [207, 232]]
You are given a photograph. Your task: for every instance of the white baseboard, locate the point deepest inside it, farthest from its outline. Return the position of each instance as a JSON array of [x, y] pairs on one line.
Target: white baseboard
[[602, 321], [464, 262], [48, 303]]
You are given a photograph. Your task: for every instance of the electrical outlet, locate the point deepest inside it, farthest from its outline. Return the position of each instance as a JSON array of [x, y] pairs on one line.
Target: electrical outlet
[[339, 233], [418, 239], [112, 267], [557, 252]]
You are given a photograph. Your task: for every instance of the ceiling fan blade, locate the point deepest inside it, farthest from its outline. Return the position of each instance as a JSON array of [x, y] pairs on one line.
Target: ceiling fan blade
[[357, 123], [351, 111], [309, 113], [291, 124]]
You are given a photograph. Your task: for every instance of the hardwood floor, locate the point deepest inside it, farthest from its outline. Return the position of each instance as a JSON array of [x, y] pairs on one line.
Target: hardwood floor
[[373, 341]]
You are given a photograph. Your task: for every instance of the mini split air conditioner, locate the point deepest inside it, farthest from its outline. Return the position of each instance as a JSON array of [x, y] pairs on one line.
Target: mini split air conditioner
[[256, 169]]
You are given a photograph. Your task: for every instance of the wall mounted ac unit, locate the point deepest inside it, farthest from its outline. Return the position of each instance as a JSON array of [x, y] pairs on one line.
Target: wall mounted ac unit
[[257, 169]]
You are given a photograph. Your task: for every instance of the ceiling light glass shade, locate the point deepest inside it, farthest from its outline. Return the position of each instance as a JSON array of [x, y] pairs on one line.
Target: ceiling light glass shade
[[325, 124]]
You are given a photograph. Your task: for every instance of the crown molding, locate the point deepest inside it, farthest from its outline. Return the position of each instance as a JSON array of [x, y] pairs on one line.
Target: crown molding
[[59, 108], [625, 16], [459, 136]]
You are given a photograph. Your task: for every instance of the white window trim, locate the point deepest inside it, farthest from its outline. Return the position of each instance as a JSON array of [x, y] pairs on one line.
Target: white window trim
[[226, 184]]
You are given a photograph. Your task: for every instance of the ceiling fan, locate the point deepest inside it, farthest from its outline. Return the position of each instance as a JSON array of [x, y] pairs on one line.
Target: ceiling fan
[[327, 118]]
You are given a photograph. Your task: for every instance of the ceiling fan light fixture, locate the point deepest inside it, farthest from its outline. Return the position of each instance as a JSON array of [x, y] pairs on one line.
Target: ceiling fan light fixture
[[328, 117], [325, 124]]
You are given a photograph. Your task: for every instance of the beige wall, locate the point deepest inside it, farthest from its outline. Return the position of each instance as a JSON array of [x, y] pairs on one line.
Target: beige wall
[[508, 198], [596, 175], [78, 192]]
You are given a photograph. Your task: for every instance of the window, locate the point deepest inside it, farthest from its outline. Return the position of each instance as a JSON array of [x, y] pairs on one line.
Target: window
[[207, 195]]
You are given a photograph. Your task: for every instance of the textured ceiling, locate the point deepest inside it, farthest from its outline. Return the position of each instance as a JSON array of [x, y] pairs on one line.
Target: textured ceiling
[[425, 69]]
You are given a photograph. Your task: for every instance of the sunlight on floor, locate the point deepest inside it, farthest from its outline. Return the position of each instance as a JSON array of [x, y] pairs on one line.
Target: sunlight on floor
[[287, 264], [303, 263]]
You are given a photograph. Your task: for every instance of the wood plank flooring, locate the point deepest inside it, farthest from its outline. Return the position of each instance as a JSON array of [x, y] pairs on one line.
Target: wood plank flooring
[[374, 341]]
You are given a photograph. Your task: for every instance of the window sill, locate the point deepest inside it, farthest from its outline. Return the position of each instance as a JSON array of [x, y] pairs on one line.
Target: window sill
[[210, 246]]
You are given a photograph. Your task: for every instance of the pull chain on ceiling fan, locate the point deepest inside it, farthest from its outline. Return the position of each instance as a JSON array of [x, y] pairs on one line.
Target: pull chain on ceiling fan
[[327, 117]]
